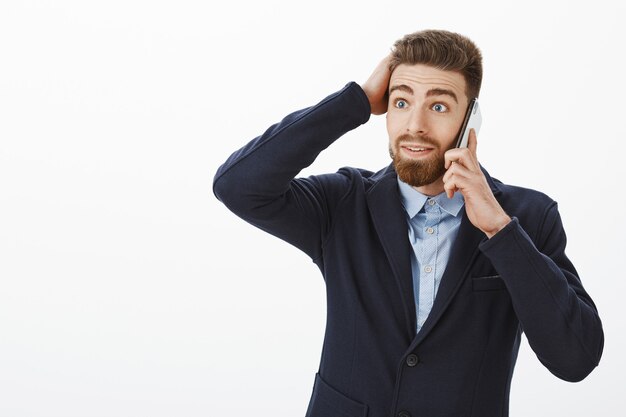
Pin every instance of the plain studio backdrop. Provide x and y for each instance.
(127, 289)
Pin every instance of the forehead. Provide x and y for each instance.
(422, 77)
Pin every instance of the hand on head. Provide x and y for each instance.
(377, 85)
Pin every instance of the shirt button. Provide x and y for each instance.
(428, 268)
(430, 230)
(431, 202)
(404, 414)
(412, 359)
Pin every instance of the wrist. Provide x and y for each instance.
(499, 225)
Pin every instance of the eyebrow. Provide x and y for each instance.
(429, 93)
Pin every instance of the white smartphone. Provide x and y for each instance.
(473, 119)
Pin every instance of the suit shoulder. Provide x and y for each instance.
(523, 192)
(347, 175)
(363, 177)
(530, 206)
(338, 185)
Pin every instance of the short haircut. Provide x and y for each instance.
(444, 50)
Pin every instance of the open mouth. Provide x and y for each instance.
(416, 150)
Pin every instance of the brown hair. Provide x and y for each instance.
(444, 50)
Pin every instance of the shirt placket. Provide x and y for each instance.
(428, 272)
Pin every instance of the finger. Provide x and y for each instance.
(377, 86)
(460, 155)
(472, 141)
(386, 61)
(450, 187)
(456, 170)
(450, 156)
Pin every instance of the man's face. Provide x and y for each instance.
(426, 109)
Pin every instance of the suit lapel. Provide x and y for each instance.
(464, 250)
(389, 220)
(462, 255)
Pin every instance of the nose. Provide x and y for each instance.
(416, 123)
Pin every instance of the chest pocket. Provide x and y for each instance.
(488, 283)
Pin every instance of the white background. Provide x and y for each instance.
(127, 289)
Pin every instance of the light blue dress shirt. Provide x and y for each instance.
(433, 224)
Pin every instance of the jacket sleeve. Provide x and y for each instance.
(557, 315)
(257, 181)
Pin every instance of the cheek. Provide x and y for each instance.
(448, 133)
(448, 130)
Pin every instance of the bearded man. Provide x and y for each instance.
(433, 268)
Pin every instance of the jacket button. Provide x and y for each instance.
(404, 414)
(412, 359)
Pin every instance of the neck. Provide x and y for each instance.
(431, 189)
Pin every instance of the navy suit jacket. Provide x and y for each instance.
(352, 225)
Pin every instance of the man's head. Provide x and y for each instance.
(435, 74)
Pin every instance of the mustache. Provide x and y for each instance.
(426, 140)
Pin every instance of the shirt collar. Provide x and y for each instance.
(413, 200)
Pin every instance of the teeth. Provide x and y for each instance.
(416, 149)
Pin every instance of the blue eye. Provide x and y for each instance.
(439, 108)
(401, 104)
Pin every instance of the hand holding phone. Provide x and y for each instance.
(473, 120)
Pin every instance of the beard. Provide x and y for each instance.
(419, 172)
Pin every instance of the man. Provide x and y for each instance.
(432, 267)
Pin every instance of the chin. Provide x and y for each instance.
(419, 171)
